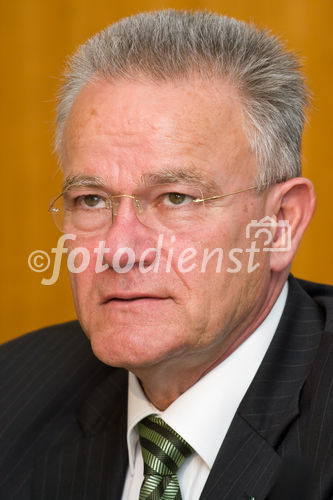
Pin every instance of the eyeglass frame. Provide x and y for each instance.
(53, 209)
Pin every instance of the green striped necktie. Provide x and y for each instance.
(163, 451)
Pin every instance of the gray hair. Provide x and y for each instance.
(169, 44)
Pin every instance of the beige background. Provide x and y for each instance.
(37, 35)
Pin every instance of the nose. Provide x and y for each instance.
(116, 199)
(127, 238)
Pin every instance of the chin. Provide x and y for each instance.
(125, 350)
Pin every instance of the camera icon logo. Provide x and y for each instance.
(266, 225)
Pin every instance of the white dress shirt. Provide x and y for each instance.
(201, 415)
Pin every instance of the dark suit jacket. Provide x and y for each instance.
(63, 416)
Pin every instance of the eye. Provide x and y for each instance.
(93, 200)
(176, 199)
(89, 201)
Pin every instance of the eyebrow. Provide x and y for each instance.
(80, 180)
(191, 176)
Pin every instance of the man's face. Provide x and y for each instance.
(123, 132)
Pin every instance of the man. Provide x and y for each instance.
(179, 133)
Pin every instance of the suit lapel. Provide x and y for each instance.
(245, 466)
(94, 464)
(248, 462)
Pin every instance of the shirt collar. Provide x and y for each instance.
(202, 415)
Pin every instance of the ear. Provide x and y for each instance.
(292, 204)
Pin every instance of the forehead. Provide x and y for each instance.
(140, 126)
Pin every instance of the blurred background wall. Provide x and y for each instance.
(37, 36)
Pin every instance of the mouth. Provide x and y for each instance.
(133, 299)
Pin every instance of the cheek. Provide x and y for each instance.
(81, 264)
(195, 271)
(208, 262)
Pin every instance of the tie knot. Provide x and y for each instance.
(163, 450)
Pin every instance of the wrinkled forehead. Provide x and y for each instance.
(155, 124)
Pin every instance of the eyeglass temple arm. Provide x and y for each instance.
(198, 200)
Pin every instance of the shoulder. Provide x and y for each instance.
(54, 350)
(318, 296)
(316, 406)
(318, 299)
(42, 368)
(46, 377)
(316, 401)
(45, 362)
(47, 336)
(316, 290)
(321, 294)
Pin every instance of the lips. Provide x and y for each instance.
(131, 298)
